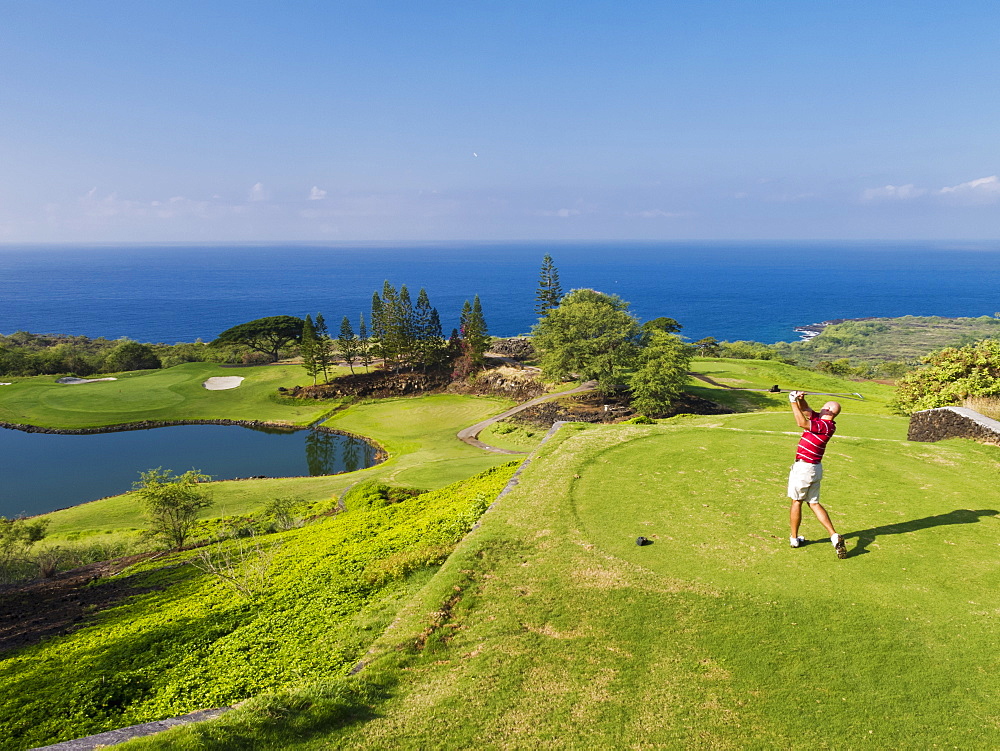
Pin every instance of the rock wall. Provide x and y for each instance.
(953, 422)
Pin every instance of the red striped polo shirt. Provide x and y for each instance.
(814, 440)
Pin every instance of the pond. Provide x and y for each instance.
(41, 472)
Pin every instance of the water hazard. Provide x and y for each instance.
(41, 472)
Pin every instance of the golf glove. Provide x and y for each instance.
(793, 396)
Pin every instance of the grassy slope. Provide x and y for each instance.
(550, 627)
(190, 642)
(419, 434)
(172, 394)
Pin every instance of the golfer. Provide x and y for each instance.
(807, 472)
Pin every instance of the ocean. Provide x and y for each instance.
(729, 290)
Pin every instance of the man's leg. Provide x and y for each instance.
(824, 519)
(795, 517)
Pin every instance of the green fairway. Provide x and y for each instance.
(550, 627)
(419, 434)
(762, 374)
(172, 394)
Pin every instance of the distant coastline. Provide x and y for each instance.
(815, 329)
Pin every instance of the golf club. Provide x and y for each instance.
(776, 390)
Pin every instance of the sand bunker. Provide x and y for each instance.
(221, 383)
(71, 381)
(6, 384)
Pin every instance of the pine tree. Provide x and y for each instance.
(407, 331)
(324, 348)
(477, 333)
(348, 343)
(307, 348)
(427, 325)
(549, 290)
(378, 326)
(389, 341)
(364, 344)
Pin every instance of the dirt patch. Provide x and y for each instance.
(59, 605)
(376, 384)
(519, 385)
(595, 407)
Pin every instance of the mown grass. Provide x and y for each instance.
(762, 374)
(188, 641)
(550, 627)
(419, 434)
(171, 394)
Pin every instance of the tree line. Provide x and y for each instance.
(399, 332)
(25, 354)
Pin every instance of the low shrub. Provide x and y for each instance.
(376, 494)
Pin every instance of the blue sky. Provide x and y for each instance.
(392, 121)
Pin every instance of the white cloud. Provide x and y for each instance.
(983, 188)
(316, 194)
(257, 193)
(657, 214)
(893, 193)
(561, 213)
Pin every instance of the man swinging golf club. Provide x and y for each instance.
(807, 472)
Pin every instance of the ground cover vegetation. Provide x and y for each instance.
(549, 626)
(187, 639)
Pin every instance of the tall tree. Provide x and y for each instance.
(549, 291)
(658, 381)
(590, 335)
(324, 348)
(427, 325)
(378, 325)
(347, 342)
(407, 331)
(476, 332)
(307, 348)
(267, 335)
(364, 344)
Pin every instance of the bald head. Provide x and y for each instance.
(831, 408)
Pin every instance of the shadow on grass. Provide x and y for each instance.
(959, 516)
(741, 401)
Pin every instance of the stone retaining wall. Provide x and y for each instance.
(953, 422)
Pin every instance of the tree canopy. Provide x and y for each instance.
(172, 503)
(268, 335)
(589, 334)
(131, 355)
(662, 372)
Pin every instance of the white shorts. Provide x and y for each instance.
(804, 480)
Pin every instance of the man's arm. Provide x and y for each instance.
(801, 410)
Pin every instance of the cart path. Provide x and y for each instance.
(470, 434)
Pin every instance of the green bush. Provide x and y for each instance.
(950, 376)
(376, 494)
